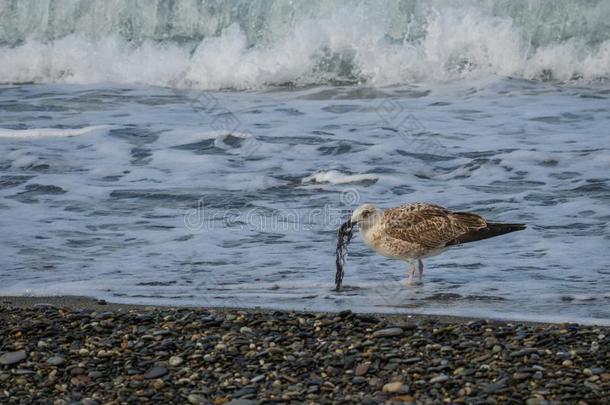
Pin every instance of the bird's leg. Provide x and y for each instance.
(421, 269)
(411, 272)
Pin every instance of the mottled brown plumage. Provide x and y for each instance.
(427, 225)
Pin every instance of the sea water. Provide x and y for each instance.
(204, 153)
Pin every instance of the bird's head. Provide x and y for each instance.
(365, 215)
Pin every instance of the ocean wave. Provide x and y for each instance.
(403, 42)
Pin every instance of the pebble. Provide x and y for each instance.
(405, 399)
(389, 332)
(393, 387)
(358, 380)
(362, 368)
(521, 376)
(155, 372)
(244, 392)
(523, 352)
(493, 387)
(104, 315)
(439, 379)
(591, 386)
(536, 401)
(175, 361)
(56, 361)
(12, 357)
(158, 384)
(197, 399)
(258, 378)
(241, 401)
(45, 305)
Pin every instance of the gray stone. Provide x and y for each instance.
(241, 401)
(175, 361)
(155, 372)
(388, 332)
(56, 361)
(104, 315)
(521, 375)
(439, 379)
(196, 399)
(523, 352)
(258, 378)
(22, 371)
(244, 392)
(591, 386)
(12, 357)
(493, 387)
(44, 305)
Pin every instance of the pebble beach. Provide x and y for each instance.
(66, 350)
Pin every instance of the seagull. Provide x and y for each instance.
(415, 231)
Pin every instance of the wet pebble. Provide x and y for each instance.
(439, 379)
(197, 399)
(393, 387)
(155, 372)
(362, 368)
(175, 361)
(10, 358)
(56, 361)
(389, 332)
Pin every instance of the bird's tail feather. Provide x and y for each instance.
(491, 230)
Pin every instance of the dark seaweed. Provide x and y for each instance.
(344, 236)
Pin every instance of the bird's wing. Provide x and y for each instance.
(429, 225)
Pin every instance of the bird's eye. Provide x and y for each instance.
(366, 213)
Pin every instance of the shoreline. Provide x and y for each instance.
(77, 349)
(76, 302)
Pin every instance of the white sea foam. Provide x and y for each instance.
(49, 132)
(454, 43)
(336, 177)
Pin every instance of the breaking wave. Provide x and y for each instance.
(249, 45)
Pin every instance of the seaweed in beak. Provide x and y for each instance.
(344, 236)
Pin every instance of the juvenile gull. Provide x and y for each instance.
(414, 231)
